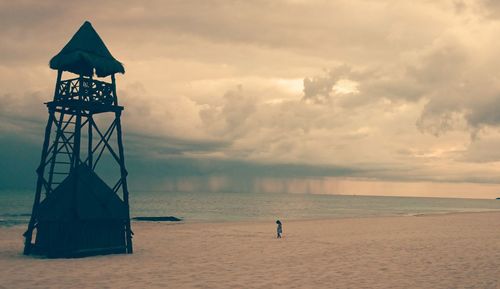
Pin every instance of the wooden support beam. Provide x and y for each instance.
(39, 183)
(124, 174)
(106, 143)
(107, 136)
(89, 149)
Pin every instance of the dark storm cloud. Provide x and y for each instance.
(163, 147)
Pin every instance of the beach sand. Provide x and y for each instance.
(436, 251)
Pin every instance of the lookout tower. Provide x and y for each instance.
(75, 212)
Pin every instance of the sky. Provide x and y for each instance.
(372, 97)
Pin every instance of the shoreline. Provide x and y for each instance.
(181, 220)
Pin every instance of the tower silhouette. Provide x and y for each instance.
(76, 213)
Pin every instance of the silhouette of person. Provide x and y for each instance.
(279, 230)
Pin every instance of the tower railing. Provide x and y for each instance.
(88, 90)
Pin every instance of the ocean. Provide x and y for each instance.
(15, 206)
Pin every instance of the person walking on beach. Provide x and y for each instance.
(279, 230)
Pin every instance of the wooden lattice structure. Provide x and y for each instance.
(75, 213)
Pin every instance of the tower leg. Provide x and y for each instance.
(124, 173)
(39, 183)
(89, 146)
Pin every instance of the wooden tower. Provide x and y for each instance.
(75, 213)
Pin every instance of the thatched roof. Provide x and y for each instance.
(82, 196)
(85, 52)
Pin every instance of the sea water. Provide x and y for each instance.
(15, 206)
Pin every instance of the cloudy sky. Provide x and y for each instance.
(347, 96)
